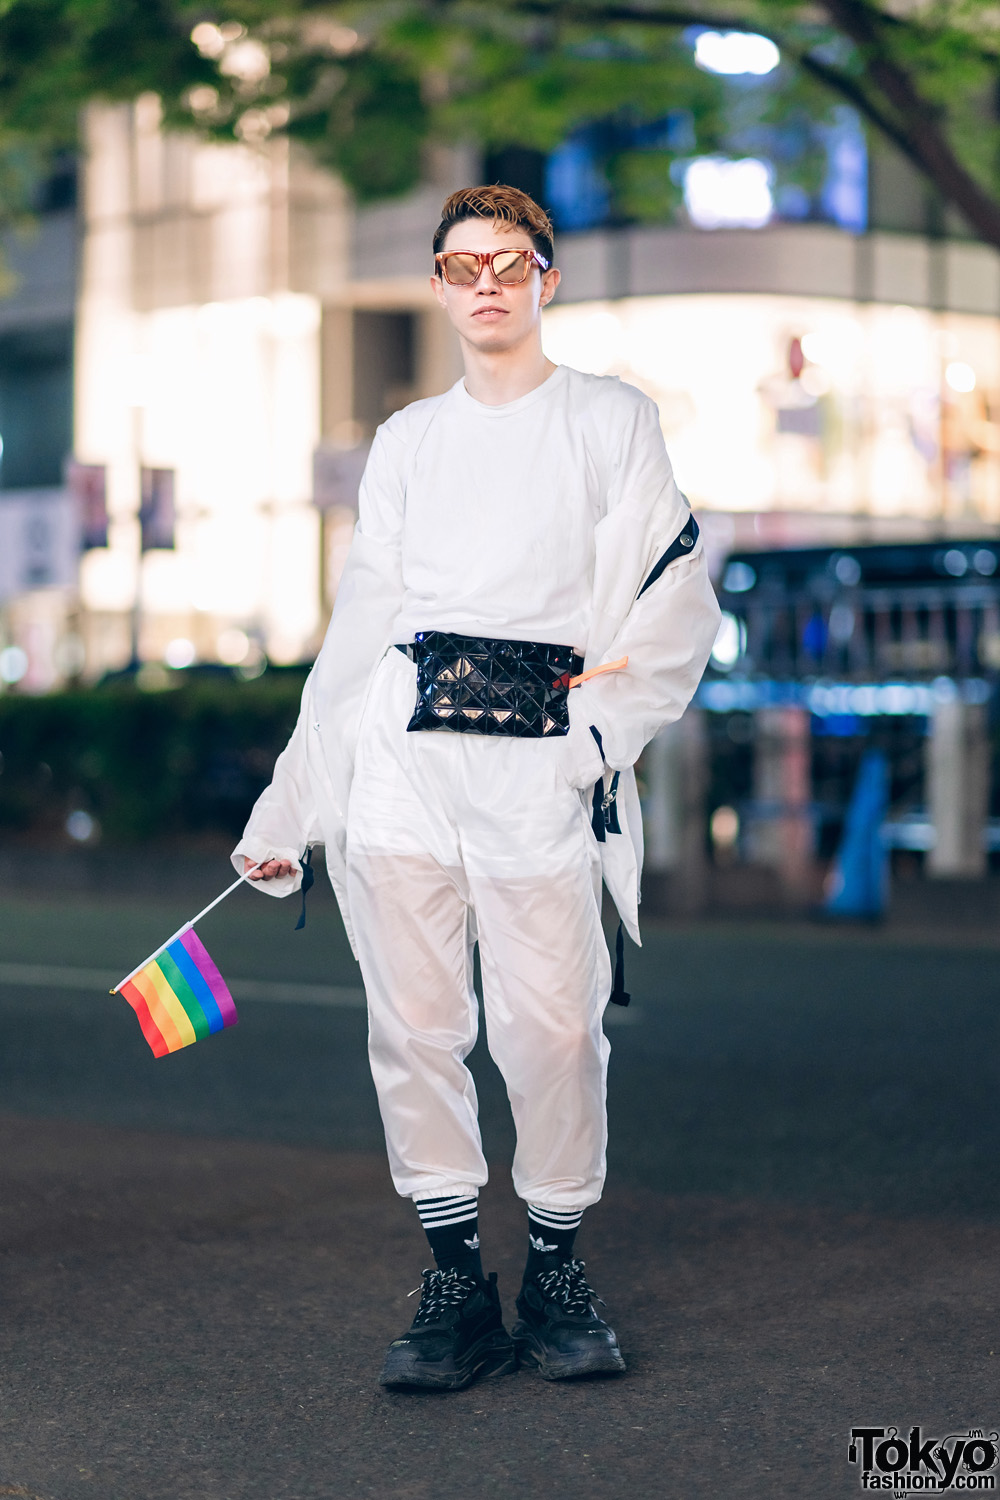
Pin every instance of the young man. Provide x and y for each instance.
(518, 529)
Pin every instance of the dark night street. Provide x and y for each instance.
(203, 1256)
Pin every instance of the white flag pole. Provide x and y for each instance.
(161, 949)
(227, 892)
(186, 928)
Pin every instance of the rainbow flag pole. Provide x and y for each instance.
(177, 992)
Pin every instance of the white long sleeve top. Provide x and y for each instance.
(538, 520)
(496, 535)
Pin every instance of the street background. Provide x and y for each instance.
(203, 1257)
(215, 236)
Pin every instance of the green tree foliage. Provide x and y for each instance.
(369, 84)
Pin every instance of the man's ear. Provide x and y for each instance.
(438, 290)
(550, 281)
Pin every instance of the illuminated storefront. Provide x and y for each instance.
(241, 328)
(226, 397)
(228, 358)
(807, 404)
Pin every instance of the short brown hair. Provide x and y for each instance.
(506, 206)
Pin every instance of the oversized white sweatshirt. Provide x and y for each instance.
(496, 535)
(538, 520)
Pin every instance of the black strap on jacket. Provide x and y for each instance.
(597, 804)
(604, 813)
(681, 545)
(308, 876)
(604, 805)
(619, 994)
(604, 818)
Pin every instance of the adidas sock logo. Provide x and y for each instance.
(551, 1232)
(451, 1225)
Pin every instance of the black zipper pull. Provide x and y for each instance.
(609, 806)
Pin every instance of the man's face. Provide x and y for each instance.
(491, 317)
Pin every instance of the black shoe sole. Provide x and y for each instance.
(600, 1359)
(490, 1356)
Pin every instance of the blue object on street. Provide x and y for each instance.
(860, 884)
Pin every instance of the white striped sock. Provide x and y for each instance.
(436, 1213)
(555, 1218)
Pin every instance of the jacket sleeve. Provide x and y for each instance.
(285, 818)
(665, 622)
(283, 821)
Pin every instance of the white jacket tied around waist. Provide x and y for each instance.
(552, 513)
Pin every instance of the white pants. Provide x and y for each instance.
(454, 837)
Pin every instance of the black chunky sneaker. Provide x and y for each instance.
(457, 1334)
(558, 1329)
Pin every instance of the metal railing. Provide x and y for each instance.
(871, 614)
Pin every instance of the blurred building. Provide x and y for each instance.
(836, 392)
(39, 543)
(241, 331)
(827, 368)
(233, 328)
(193, 360)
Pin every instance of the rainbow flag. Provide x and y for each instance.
(179, 995)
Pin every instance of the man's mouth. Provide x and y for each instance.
(490, 312)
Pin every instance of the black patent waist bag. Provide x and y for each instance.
(476, 685)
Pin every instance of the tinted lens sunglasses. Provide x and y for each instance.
(509, 267)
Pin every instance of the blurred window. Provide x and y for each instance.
(577, 193)
(623, 171)
(36, 405)
(384, 365)
(520, 167)
(57, 191)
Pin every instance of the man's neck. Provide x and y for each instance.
(495, 379)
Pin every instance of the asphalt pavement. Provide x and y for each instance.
(202, 1258)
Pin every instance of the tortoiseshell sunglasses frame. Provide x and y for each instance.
(486, 258)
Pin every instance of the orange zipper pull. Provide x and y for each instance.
(608, 666)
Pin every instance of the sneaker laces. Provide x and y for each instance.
(439, 1291)
(567, 1286)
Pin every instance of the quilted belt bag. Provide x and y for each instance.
(475, 685)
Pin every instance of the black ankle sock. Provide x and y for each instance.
(551, 1232)
(452, 1226)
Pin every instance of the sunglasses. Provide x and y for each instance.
(509, 267)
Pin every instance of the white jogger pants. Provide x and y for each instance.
(453, 837)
